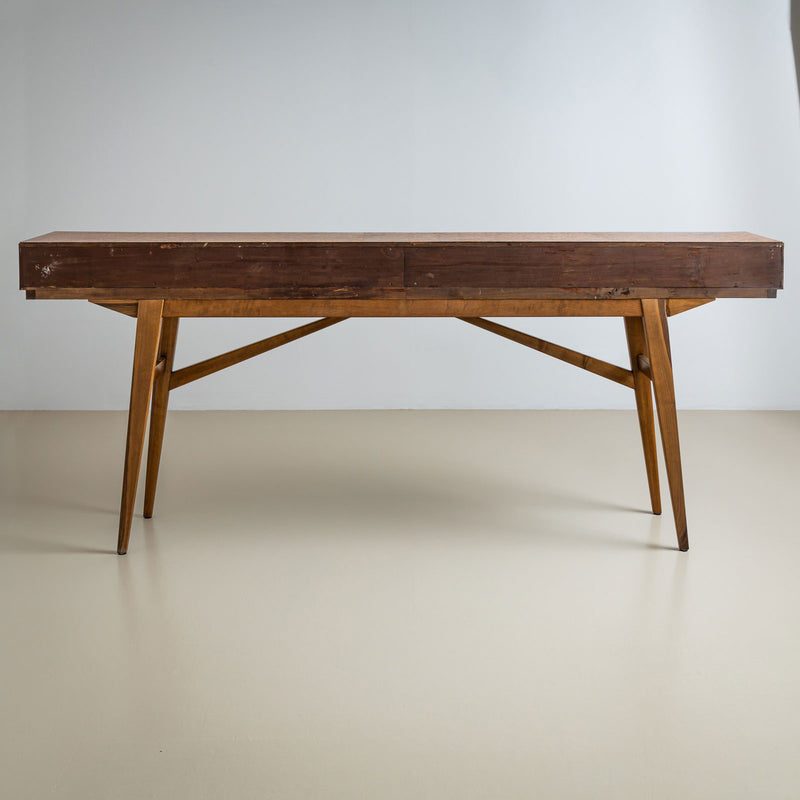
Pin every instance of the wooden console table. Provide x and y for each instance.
(160, 277)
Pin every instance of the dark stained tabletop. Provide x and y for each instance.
(98, 237)
(398, 265)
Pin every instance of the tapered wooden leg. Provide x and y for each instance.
(654, 316)
(158, 410)
(637, 345)
(148, 324)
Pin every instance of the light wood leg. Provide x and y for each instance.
(654, 316)
(148, 324)
(158, 410)
(634, 331)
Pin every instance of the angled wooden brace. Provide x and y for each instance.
(595, 365)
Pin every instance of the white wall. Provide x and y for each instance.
(396, 116)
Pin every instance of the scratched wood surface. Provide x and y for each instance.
(99, 265)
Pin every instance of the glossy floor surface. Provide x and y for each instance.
(400, 605)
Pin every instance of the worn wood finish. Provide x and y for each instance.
(584, 293)
(399, 296)
(211, 365)
(290, 270)
(655, 325)
(458, 266)
(158, 410)
(595, 365)
(641, 277)
(637, 348)
(145, 351)
(627, 266)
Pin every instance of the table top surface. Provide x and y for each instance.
(95, 265)
(194, 238)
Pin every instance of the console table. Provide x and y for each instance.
(644, 278)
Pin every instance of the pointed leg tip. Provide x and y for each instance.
(122, 544)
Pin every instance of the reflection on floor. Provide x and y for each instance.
(432, 604)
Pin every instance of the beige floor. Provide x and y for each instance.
(400, 605)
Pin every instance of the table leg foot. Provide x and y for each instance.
(637, 345)
(158, 410)
(148, 325)
(654, 316)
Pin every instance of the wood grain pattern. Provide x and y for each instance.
(128, 309)
(148, 326)
(160, 277)
(211, 365)
(158, 410)
(602, 368)
(107, 296)
(654, 316)
(377, 266)
(402, 308)
(291, 270)
(643, 363)
(637, 350)
(676, 306)
(575, 266)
